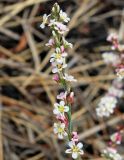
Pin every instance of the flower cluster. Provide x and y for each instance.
(117, 60)
(111, 153)
(106, 106)
(62, 109)
(108, 103)
(111, 58)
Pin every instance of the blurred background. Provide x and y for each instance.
(27, 91)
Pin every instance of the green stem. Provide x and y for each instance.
(69, 123)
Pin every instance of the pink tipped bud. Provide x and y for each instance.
(116, 138)
(74, 137)
(70, 98)
(62, 48)
(56, 78)
(63, 119)
(50, 43)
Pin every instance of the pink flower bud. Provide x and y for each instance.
(74, 137)
(56, 78)
(62, 48)
(50, 43)
(116, 138)
(62, 119)
(70, 98)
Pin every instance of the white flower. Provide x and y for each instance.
(111, 153)
(120, 73)
(63, 16)
(45, 19)
(58, 26)
(117, 83)
(61, 28)
(112, 36)
(58, 57)
(62, 95)
(69, 78)
(52, 22)
(58, 67)
(76, 150)
(59, 128)
(111, 58)
(60, 108)
(106, 106)
(115, 92)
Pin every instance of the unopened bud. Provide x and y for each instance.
(56, 8)
(70, 98)
(56, 78)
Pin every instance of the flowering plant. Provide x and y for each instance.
(108, 103)
(62, 110)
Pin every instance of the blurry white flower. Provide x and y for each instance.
(45, 20)
(58, 57)
(63, 16)
(120, 73)
(61, 28)
(111, 153)
(59, 128)
(58, 26)
(75, 150)
(52, 22)
(60, 108)
(117, 83)
(111, 58)
(58, 67)
(62, 95)
(69, 78)
(106, 106)
(115, 92)
(112, 36)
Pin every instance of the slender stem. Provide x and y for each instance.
(67, 88)
(70, 123)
